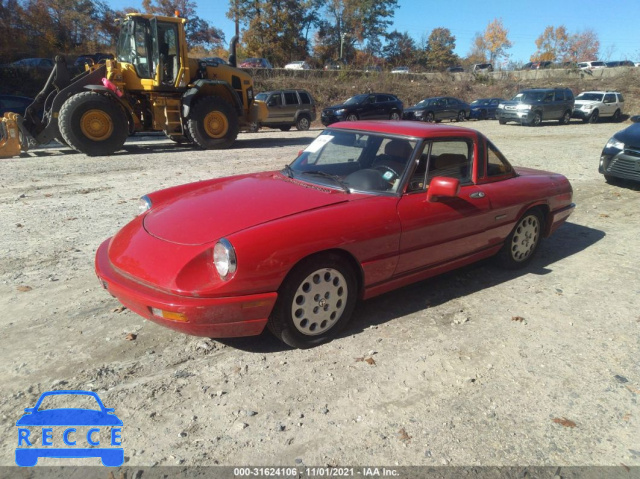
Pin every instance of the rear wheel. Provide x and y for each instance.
(522, 243)
(617, 116)
(502, 122)
(394, 115)
(315, 301)
(430, 118)
(213, 123)
(93, 124)
(537, 119)
(461, 116)
(303, 123)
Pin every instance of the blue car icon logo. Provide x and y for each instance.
(81, 431)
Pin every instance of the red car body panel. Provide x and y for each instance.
(164, 258)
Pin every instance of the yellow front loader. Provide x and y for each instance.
(151, 85)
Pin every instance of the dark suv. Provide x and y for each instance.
(288, 108)
(532, 107)
(368, 106)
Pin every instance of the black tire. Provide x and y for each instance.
(566, 118)
(461, 116)
(537, 119)
(594, 117)
(617, 116)
(303, 123)
(213, 123)
(285, 128)
(612, 180)
(315, 301)
(93, 124)
(430, 117)
(394, 116)
(351, 117)
(522, 243)
(254, 127)
(502, 122)
(180, 140)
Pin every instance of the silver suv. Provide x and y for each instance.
(593, 105)
(288, 108)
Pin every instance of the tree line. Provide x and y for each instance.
(356, 31)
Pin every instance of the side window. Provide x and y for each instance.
(548, 97)
(609, 98)
(497, 165)
(304, 97)
(451, 158)
(568, 95)
(290, 98)
(275, 100)
(559, 95)
(620, 98)
(381, 98)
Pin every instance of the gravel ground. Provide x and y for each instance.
(477, 367)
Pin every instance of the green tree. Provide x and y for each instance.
(400, 49)
(439, 49)
(552, 45)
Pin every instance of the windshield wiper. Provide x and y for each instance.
(335, 178)
(288, 171)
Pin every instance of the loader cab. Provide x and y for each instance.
(154, 49)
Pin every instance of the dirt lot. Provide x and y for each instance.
(455, 378)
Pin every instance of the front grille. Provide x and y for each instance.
(625, 168)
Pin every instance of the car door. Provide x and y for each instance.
(437, 232)
(382, 107)
(367, 109)
(610, 104)
(290, 106)
(276, 107)
(440, 109)
(453, 107)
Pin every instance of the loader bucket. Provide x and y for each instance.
(10, 144)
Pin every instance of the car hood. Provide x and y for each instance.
(416, 108)
(630, 135)
(220, 209)
(337, 107)
(516, 103)
(586, 102)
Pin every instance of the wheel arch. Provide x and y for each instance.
(210, 88)
(544, 210)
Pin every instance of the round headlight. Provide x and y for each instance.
(144, 204)
(224, 258)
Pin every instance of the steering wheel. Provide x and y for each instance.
(388, 174)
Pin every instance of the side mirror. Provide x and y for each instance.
(442, 187)
(635, 118)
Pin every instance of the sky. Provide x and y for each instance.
(616, 22)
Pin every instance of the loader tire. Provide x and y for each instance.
(93, 124)
(213, 123)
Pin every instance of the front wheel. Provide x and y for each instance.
(522, 243)
(502, 122)
(93, 124)
(352, 117)
(315, 301)
(394, 115)
(213, 123)
(566, 118)
(537, 119)
(593, 118)
(430, 118)
(617, 116)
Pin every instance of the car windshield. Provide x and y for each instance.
(590, 96)
(529, 96)
(484, 101)
(356, 100)
(426, 102)
(262, 96)
(354, 161)
(63, 401)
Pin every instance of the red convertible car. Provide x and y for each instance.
(366, 208)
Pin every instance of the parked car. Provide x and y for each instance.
(591, 65)
(620, 63)
(368, 106)
(15, 104)
(400, 70)
(527, 66)
(335, 65)
(255, 63)
(541, 65)
(455, 70)
(482, 68)
(590, 106)
(288, 108)
(366, 208)
(620, 158)
(214, 61)
(41, 64)
(532, 107)
(372, 69)
(438, 109)
(299, 65)
(484, 108)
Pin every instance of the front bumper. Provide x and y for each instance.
(329, 118)
(582, 114)
(623, 164)
(211, 317)
(520, 116)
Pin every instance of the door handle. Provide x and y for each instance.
(476, 194)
